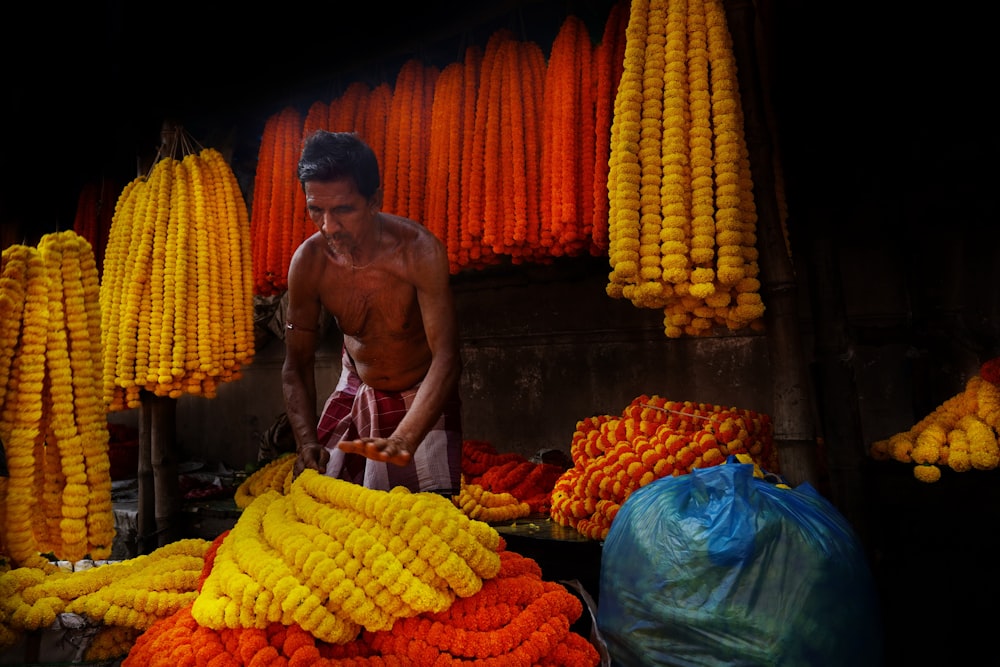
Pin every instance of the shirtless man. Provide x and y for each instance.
(385, 280)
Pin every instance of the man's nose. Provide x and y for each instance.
(328, 223)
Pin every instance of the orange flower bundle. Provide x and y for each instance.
(517, 618)
(482, 166)
(407, 141)
(444, 159)
(653, 438)
(568, 146)
(463, 229)
(374, 121)
(608, 59)
(345, 112)
(529, 482)
(478, 456)
(278, 217)
(317, 118)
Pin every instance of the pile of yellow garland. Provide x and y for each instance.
(57, 497)
(961, 433)
(334, 557)
(129, 595)
(683, 220)
(176, 293)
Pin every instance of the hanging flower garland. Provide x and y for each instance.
(176, 299)
(609, 56)
(700, 237)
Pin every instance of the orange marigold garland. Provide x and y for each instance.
(517, 618)
(653, 438)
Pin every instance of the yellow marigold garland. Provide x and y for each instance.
(961, 433)
(275, 475)
(333, 558)
(682, 217)
(479, 503)
(176, 300)
(131, 594)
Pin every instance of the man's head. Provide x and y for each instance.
(333, 156)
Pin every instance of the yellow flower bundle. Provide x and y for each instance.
(131, 594)
(57, 498)
(275, 475)
(682, 227)
(176, 293)
(651, 439)
(961, 433)
(333, 558)
(479, 503)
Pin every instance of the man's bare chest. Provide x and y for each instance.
(374, 306)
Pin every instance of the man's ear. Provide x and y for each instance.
(375, 202)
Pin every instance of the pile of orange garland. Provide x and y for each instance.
(962, 433)
(653, 438)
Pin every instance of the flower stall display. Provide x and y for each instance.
(651, 439)
(329, 574)
(56, 499)
(963, 433)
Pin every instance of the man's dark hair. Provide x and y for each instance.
(332, 156)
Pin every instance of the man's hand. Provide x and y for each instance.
(314, 457)
(391, 450)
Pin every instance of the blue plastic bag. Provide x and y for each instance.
(718, 567)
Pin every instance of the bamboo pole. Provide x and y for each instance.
(159, 486)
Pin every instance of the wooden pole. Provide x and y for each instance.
(159, 486)
(793, 412)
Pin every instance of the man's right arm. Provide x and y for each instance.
(298, 379)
